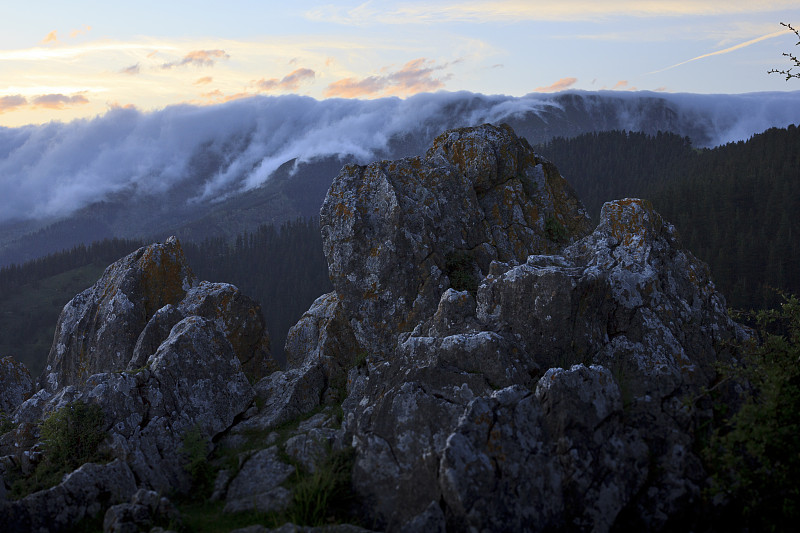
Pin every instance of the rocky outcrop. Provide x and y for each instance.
(16, 384)
(145, 509)
(84, 493)
(397, 234)
(123, 318)
(549, 394)
(182, 354)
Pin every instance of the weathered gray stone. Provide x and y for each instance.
(311, 446)
(145, 508)
(286, 395)
(16, 384)
(323, 338)
(431, 520)
(153, 334)
(86, 492)
(121, 321)
(239, 318)
(257, 486)
(193, 382)
(557, 459)
(98, 329)
(323, 332)
(593, 442)
(389, 228)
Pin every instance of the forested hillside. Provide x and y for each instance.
(735, 206)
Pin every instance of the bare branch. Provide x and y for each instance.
(792, 58)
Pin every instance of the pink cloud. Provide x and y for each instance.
(416, 76)
(199, 58)
(9, 103)
(560, 85)
(217, 97)
(205, 80)
(58, 101)
(290, 82)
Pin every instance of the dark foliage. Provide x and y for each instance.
(460, 268)
(733, 205)
(70, 438)
(754, 454)
(283, 269)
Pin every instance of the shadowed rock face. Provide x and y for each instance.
(163, 355)
(552, 397)
(16, 384)
(389, 228)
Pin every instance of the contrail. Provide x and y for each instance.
(726, 50)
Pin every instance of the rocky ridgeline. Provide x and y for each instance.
(499, 365)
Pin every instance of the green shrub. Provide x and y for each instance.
(755, 454)
(194, 448)
(6, 424)
(325, 495)
(71, 437)
(556, 232)
(460, 268)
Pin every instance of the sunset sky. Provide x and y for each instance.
(67, 60)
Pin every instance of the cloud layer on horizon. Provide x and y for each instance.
(53, 169)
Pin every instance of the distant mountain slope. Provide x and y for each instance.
(735, 206)
(220, 170)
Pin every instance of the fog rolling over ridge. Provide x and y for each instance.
(162, 170)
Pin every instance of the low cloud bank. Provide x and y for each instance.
(53, 169)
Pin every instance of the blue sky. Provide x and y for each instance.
(62, 61)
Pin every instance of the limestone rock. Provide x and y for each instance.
(145, 508)
(573, 466)
(545, 393)
(16, 384)
(323, 333)
(120, 321)
(194, 382)
(257, 487)
(239, 318)
(84, 493)
(98, 329)
(395, 232)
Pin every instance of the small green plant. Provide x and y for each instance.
(361, 359)
(755, 452)
(556, 232)
(323, 496)
(72, 434)
(194, 448)
(460, 268)
(71, 437)
(6, 424)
